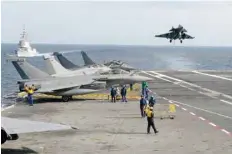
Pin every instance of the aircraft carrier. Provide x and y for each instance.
(202, 123)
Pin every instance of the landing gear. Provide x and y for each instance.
(66, 98)
(3, 136)
(181, 41)
(170, 41)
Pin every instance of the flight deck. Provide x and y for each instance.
(203, 122)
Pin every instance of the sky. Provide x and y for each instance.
(125, 23)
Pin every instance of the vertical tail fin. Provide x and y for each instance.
(65, 62)
(86, 59)
(53, 66)
(28, 71)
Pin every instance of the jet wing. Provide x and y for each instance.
(186, 36)
(18, 126)
(64, 84)
(166, 35)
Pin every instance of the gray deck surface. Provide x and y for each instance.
(105, 127)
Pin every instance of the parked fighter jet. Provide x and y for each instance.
(176, 33)
(70, 85)
(89, 62)
(114, 64)
(125, 78)
(55, 84)
(10, 128)
(53, 67)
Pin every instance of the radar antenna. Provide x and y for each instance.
(24, 34)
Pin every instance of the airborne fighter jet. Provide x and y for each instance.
(176, 33)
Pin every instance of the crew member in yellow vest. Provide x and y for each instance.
(150, 120)
(146, 109)
(30, 92)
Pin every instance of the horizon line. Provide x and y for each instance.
(168, 45)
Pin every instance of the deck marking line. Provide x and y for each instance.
(225, 131)
(185, 82)
(227, 102)
(201, 118)
(212, 75)
(192, 113)
(183, 108)
(212, 124)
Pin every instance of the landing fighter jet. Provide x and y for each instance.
(176, 33)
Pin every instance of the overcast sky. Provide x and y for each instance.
(133, 23)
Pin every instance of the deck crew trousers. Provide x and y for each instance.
(142, 110)
(150, 123)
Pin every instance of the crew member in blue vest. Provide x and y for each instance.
(142, 106)
(123, 93)
(113, 93)
(152, 101)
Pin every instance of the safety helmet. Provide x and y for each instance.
(151, 108)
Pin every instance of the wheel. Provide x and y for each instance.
(3, 136)
(181, 41)
(65, 98)
(14, 136)
(170, 41)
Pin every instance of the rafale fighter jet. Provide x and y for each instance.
(176, 33)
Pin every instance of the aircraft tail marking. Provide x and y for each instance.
(86, 59)
(28, 71)
(65, 62)
(53, 66)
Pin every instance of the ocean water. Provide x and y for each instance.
(143, 57)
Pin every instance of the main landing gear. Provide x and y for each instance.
(66, 98)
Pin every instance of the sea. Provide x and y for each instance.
(143, 57)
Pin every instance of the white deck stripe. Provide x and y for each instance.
(202, 118)
(227, 102)
(212, 75)
(225, 116)
(225, 131)
(212, 124)
(193, 85)
(192, 113)
(3, 109)
(184, 108)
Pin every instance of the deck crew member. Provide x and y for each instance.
(145, 92)
(152, 101)
(123, 93)
(113, 93)
(30, 92)
(150, 121)
(142, 106)
(131, 87)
